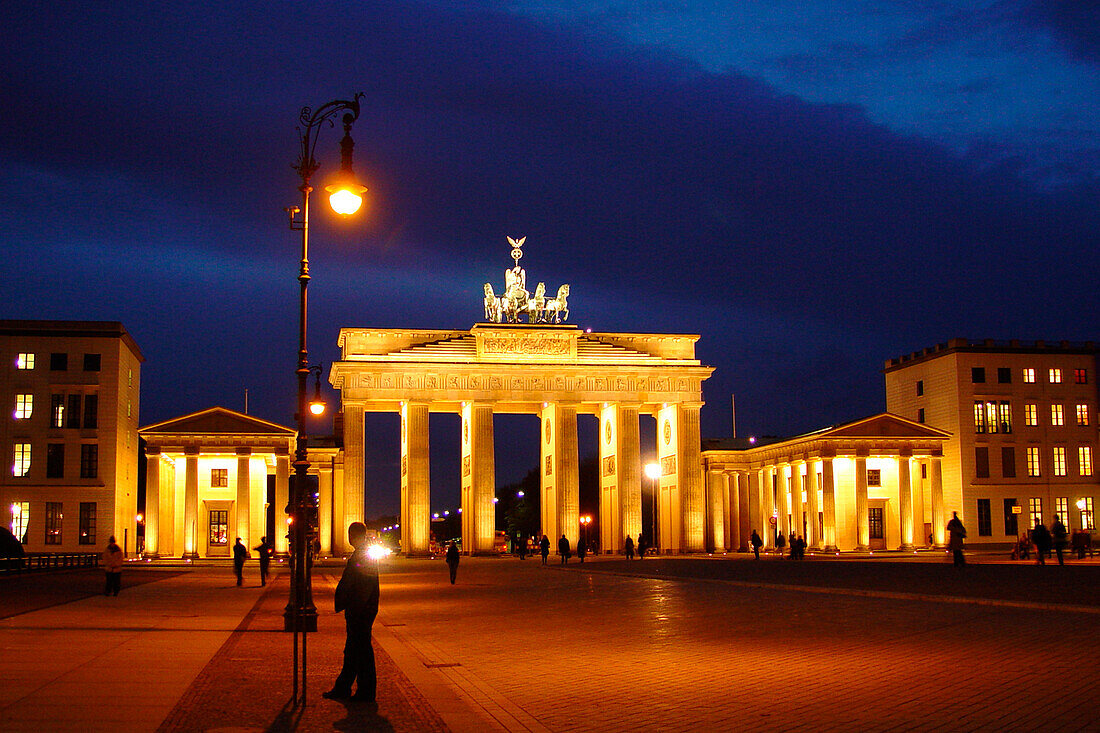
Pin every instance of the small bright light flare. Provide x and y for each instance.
(495, 500)
(16, 510)
(377, 552)
(520, 494)
(317, 408)
(344, 201)
(435, 515)
(139, 518)
(1081, 504)
(653, 470)
(447, 513)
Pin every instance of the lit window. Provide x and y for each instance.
(1056, 417)
(24, 361)
(1080, 376)
(22, 464)
(24, 405)
(1059, 465)
(979, 417)
(219, 478)
(20, 519)
(1004, 413)
(1055, 376)
(1035, 506)
(1031, 414)
(1029, 375)
(53, 522)
(1061, 508)
(1033, 461)
(991, 416)
(1086, 513)
(1084, 459)
(1082, 414)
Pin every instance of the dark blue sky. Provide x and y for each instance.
(812, 187)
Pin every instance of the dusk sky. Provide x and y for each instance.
(811, 187)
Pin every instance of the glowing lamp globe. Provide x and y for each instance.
(317, 408)
(345, 193)
(653, 470)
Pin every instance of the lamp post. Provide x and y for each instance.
(653, 472)
(346, 195)
(585, 521)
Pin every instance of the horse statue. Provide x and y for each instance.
(559, 306)
(493, 307)
(536, 305)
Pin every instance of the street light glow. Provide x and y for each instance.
(344, 201)
(653, 470)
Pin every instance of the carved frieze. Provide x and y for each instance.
(609, 466)
(668, 465)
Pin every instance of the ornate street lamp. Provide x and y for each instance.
(345, 197)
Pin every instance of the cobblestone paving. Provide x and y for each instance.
(580, 649)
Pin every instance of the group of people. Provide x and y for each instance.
(797, 545)
(240, 554)
(1055, 538)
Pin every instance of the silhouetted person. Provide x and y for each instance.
(544, 548)
(357, 596)
(1041, 537)
(264, 549)
(628, 548)
(756, 543)
(643, 545)
(240, 554)
(111, 560)
(452, 560)
(563, 549)
(1060, 536)
(780, 542)
(521, 547)
(582, 548)
(956, 534)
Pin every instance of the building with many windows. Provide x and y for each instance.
(70, 438)
(1023, 420)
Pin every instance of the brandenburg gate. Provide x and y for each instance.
(542, 368)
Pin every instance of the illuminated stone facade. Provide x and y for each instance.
(554, 372)
(70, 392)
(1023, 417)
(871, 484)
(206, 483)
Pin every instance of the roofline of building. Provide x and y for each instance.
(78, 329)
(990, 346)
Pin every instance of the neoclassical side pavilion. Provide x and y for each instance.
(206, 482)
(875, 483)
(555, 372)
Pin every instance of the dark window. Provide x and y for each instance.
(59, 362)
(219, 527)
(1004, 375)
(874, 477)
(89, 461)
(219, 478)
(1008, 462)
(53, 522)
(87, 523)
(1080, 376)
(875, 523)
(977, 375)
(91, 362)
(920, 414)
(57, 411)
(55, 460)
(924, 470)
(920, 387)
(981, 462)
(72, 418)
(1010, 518)
(985, 523)
(91, 411)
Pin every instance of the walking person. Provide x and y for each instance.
(111, 560)
(452, 560)
(643, 545)
(582, 548)
(563, 550)
(756, 543)
(357, 596)
(544, 548)
(1060, 537)
(780, 542)
(1042, 539)
(264, 551)
(956, 535)
(628, 548)
(240, 554)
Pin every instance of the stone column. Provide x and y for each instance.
(629, 465)
(478, 479)
(244, 496)
(863, 531)
(813, 506)
(669, 520)
(716, 492)
(415, 489)
(282, 498)
(828, 496)
(324, 507)
(905, 500)
(768, 489)
(796, 500)
(191, 503)
(354, 454)
(339, 531)
(690, 479)
(755, 511)
(938, 524)
(744, 524)
(729, 511)
(152, 501)
(782, 504)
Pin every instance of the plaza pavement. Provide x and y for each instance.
(661, 644)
